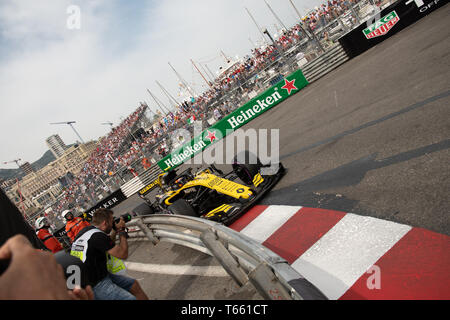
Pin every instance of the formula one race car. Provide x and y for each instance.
(212, 194)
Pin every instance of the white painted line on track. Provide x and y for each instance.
(347, 251)
(269, 221)
(178, 270)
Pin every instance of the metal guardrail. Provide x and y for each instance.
(244, 259)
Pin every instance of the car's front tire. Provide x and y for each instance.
(183, 208)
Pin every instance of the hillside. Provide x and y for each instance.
(46, 158)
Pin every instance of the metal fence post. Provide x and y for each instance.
(221, 253)
(147, 231)
(316, 40)
(342, 24)
(358, 20)
(267, 284)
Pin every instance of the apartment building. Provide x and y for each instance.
(56, 145)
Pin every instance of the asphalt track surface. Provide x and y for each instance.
(372, 138)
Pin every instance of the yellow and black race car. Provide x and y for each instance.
(212, 194)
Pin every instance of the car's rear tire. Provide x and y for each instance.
(182, 207)
(246, 165)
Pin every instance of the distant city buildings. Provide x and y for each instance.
(56, 145)
(7, 183)
(41, 188)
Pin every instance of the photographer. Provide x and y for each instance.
(92, 245)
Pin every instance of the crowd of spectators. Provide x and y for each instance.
(108, 156)
(113, 154)
(237, 73)
(328, 12)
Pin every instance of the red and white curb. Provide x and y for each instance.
(348, 256)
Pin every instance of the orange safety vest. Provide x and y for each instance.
(146, 163)
(74, 226)
(49, 240)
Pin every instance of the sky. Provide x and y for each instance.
(92, 61)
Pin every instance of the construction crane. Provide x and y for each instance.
(109, 123)
(16, 161)
(70, 124)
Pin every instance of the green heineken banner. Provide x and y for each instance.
(249, 111)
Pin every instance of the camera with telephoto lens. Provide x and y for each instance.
(126, 217)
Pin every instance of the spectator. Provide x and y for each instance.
(217, 114)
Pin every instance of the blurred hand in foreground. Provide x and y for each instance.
(34, 274)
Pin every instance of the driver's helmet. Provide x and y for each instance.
(180, 182)
(167, 177)
(41, 222)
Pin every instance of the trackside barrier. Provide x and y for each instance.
(243, 258)
(137, 183)
(129, 188)
(357, 39)
(325, 63)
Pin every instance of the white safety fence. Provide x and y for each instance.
(242, 258)
(324, 63)
(137, 183)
